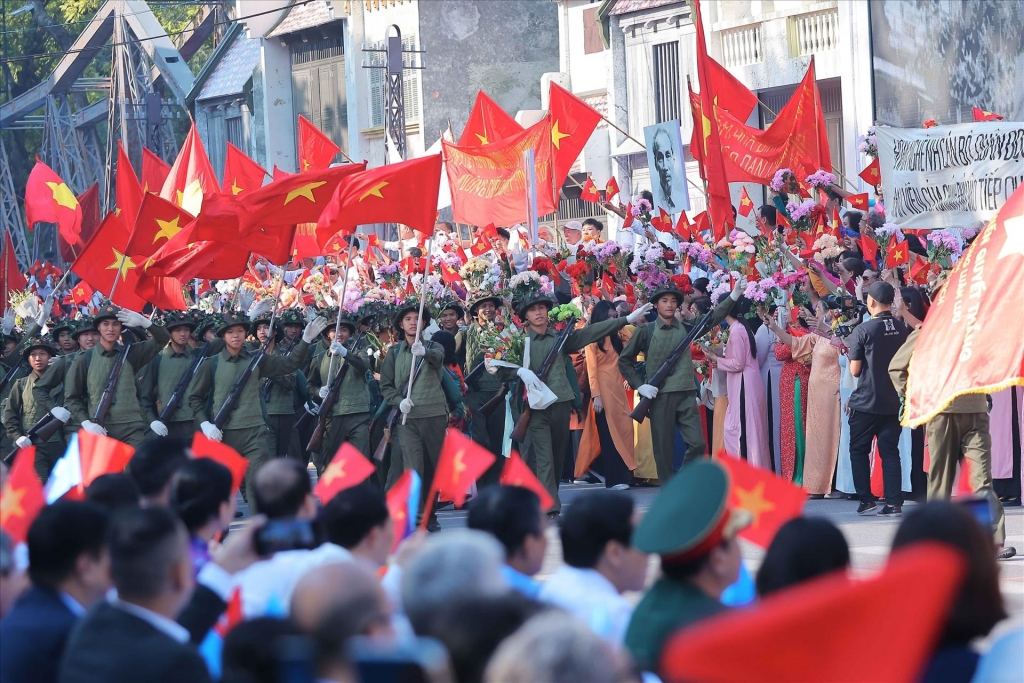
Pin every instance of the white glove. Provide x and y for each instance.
(738, 288)
(311, 408)
(338, 349)
(490, 367)
(640, 313)
(8, 321)
(258, 308)
(23, 442)
(428, 333)
(528, 376)
(93, 428)
(313, 329)
(418, 350)
(61, 413)
(405, 406)
(133, 319)
(323, 391)
(648, 391)
(210, 431)
(44, 312)
(158, 427)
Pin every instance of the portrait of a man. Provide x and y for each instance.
(665, 160)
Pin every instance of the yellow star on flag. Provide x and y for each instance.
(557, 135)
(168, 229)
(745, 201)
(235, 189)
(458, 467)
(80, 292)
(1014, 243)
(63, 195)
(122, 263)
(753, 501)
(705, 124)
(333, 473)
(11, 506)
(305, 165)
(374, 191)
(304, 191)
(482, 138)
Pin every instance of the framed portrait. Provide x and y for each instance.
(665, 161)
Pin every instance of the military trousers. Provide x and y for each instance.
(419, 442)
(488, 431)
(951, 435)
(546, 438)
(668, 411)
(131, 433)
(253, 444)
(284, 440)
(182, 430)
(47, 455)
(353, 429)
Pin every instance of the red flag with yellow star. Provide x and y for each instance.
(11, 277)
(295, 198)
(191, 178)
(462, 462)
(348, 468)
(405, 193)
(898, 254)
(729, 95)
(48, 199)
(772, 500)
(518, 473)
(611, 189)
(241, 174)
(589, 192)
(154, 171)
(746, 204)
(105, 257)
(82, 293)
(316, 150)
(872, 175)
(963, 346)
(22, 497)
(158, 221)
(129, 192)
(487, 123)
(683, 227)
(572, 122)
(663, 221)
(859, 201)
(982, 115)
(203, 447)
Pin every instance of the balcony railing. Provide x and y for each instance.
(742, 46)
(812, 33)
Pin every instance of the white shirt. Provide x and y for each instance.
(406, 245)
(587, 594)
(168, 627)
(267, 586)
(73, 605)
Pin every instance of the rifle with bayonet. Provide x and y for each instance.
(639, 413)
(496, 400)
(519, 431)
(177, 396)
(110, 388)
(333, 390)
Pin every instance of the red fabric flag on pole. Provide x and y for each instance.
(203, 447)
(191, 178)
(572, 123)
(129, 190)
(589, 192)
(746, 204)
(22, 496)
(663, 221)
(104, 258)
(90, 204)
(898, 254)
(462, 462)
(348, 468)
(869, 247)
(316, 150)
(241, 174)
(982, 115)
(487, 123)
(611, 189)
(405, 192)
(518, 473)
(403, 501)
(859, 201)
(963, 346)
(872, 175)
(154, 171)
(13, 279)
(82, 293)
(48, 199)
(771, 500)
(297, 198)
(683, 227)
(101, 455)
(728, 94)
(158, 221)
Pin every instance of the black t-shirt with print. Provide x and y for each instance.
(874, 343)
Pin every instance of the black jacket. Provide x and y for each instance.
(32, 637)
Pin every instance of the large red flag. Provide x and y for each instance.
(22, 497)
(104, 258)
(488, 183)
(218, 222)
(487, 123)
(129, 191)
(771, 500)
(572, 123)
(316, 150)
(963, 347)
(462, 462)
(241, 174)
(158, 221)
(90, 203)
(518, 473)
(728, 94)
(405, 192)
(298, 198)
(154, 171)
(191, 178)
(348, 468)
(184, 257)
(48, 199)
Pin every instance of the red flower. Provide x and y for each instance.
(670, 255)
(930, 123)
(682, 283)
(542, 265)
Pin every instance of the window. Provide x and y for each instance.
(410, 84)
(666, 81)
(318, 86)
(236, 132)
(592, 42)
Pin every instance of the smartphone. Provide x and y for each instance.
(416, 660)
(980, 508)
(278, 535)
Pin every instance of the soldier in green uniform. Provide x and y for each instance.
(22, 411)
(349, 418)
(449, 312)
(486, 430)
(162, 375)
(693, 529)
(60, 332)
(51, 384)
(278, 393)
(548, 431)
(674, 404)
(89, 373)
(245, 429)
(426, 410)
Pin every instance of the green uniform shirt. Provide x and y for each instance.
(427, 393)
(541, 345)
(899, 372)
(51, 384)
(248, 413)
(162, 375)
(657, 341)
(667, 607)
(353, 396)
(282, 389)
(484, 381)
(15, 359)
(90, 370)
(22, 411)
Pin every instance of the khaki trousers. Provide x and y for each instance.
(668, 411)
(546, 439)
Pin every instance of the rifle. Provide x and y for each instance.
(496, 400)
(267, 382)
(107, 397)
(235, 395)
(519, 432)
(42, 430)
(333, 389)
(639, 413)
(389, 421)
(178, 395)
(9, 377)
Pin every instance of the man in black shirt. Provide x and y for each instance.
(874, 405)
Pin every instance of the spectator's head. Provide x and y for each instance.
(150, 561)
(880, 297)
(802, 549)
(251, 650)
(556, 648)
(457, 563)
(700, 286)
(281, 490)
(852, 219)
(592, 228)
(623, 308)
(67, 550)
(342, 586)
(154, 464)
(572, 231)
(358, 520)
(447, 342)
(913, 300)
(596, 534)
(202, 497)
(114, 491)
(850, 268)
(979, 605)
(770, 215)
(512, 515)
(12, 581)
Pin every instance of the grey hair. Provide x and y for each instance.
(455, 564)
(554, 647)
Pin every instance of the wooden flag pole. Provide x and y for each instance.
(419, 321)
(341, 302)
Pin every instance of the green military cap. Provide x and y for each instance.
(691, 515)
(523, 305)
(62, 325)
(291, 316)
(83, 324)
(478, 298)
(172, 319)
(261, 319)
(232, 319)
(38, 342)
(446, 302)
(107, 311)
(204, 323)
(412, 304)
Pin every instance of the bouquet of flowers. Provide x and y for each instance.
(613, 257)
(720, 284)
(821, 179)
(480, 274)
(391, 275)
(737, 250)
(784, 182)
(868, 144)
(763, 293)
(801, 215)
(319, 286)
(944, 248)
(502, 340)
(528, 284)
(716, 338)
(434, 286)
(559, 315)
(641, 210)
(697, 251)
(826, 247)
(701, 364)
(446, 258)
(887, 236)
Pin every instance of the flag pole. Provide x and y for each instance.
(341, 302)
(531, 199)
(612, 124)
(419, 320)
(238, 285)
(117, 276)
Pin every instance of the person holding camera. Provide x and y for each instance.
(874, 406)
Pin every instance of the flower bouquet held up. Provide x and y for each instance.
(944, 248)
